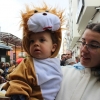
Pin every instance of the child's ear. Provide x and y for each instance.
(54, 47)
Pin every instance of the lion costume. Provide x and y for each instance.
(33, 78)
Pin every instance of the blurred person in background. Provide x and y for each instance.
(70, 62)
(69, 59)
(77, 59)
(63, 58)
(69, 54)
(7, 64)
(3, 67)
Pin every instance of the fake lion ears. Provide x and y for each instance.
(43, 21)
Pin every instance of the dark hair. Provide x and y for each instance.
(62, 55)
(96, 72)
(95, 27)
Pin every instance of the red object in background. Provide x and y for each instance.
(19, 60)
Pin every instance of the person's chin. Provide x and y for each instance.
(85, 64)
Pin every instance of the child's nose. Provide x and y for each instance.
(36, 43)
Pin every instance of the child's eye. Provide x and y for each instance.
(31, 41)
(42, 40)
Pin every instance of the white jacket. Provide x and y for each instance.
(78, 85)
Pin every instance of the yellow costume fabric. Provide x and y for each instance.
(26, 83)
(11, 68)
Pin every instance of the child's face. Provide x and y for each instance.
(41, 45)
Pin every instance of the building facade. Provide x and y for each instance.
(81, 13)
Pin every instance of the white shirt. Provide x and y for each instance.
(78, 85)
(49, 76)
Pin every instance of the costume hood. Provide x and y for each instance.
(41, 19)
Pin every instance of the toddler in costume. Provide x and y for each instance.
(38, 77)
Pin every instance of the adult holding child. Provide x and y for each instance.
(84, 83)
